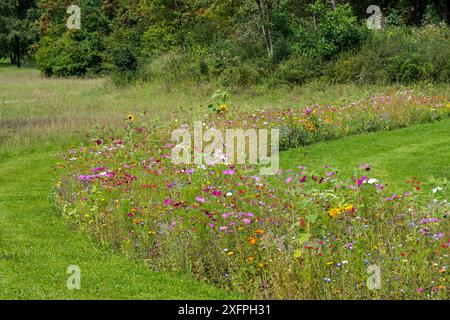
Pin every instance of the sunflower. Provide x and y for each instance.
(130, 118)
(223, 108)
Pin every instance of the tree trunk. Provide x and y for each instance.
(12, 56)
(333, 4)
(17, 50)
(264, 14)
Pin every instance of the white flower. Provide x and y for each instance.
(372, 181)
(229, 194)
(437, 189)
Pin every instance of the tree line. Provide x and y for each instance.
(220, 39)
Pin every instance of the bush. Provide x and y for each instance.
(69, 55)
(298, 70)
(64, 52)
(398, 55)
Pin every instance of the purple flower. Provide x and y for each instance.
(379, 186)
(392, 197)
(430, 220)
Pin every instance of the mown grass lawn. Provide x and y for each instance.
(421, 151)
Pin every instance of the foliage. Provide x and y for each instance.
(241, 43)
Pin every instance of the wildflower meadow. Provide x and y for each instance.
(299, 233)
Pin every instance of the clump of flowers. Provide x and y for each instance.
(335, 212)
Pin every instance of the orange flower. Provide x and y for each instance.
(250, 259)
(261, 264)
(260, 231)
(252, 240)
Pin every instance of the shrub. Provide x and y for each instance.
(398, 55)
(298, 70)
(69, 55)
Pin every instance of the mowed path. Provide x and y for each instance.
(37, 246)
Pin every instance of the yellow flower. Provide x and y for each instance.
(329, 263)
(261, 264)
(130, 118)
(260, 231)
(223, 108)
(230, 253)
(339, 210)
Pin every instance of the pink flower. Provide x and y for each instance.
(228, 172)
(288, 180)
(246, 221)
(420, 290)
(200, 199)
(166, 201)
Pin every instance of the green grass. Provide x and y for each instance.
(37, 246)
(419, 151)
(39, 117)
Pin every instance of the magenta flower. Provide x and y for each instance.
(361, 181)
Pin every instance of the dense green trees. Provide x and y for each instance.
(17, 32)
(230, 41)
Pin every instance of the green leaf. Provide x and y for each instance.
(312, 217)
(303, 238)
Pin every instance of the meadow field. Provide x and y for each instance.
(85, 180)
